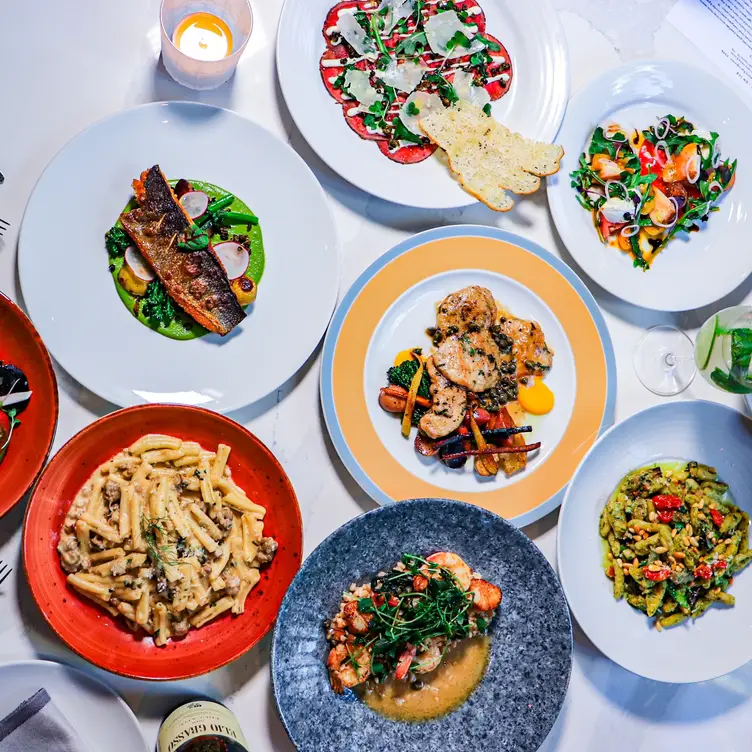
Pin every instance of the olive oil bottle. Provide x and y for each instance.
(201, 726)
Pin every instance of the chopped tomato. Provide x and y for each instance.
(667, 501)
(659, 576)
(378, 599)
(703, 572)
(405, 661)
(717, 517)
(609, 228)
(719, 565)
(393, 601)
(652, 161)
(420, 583)
(665, 516)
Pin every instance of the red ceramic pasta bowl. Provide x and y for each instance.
(106, 641)
(31, 442)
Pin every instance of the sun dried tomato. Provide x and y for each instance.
(659, 576)
(703, 572)
(717, 517)
(665, 516)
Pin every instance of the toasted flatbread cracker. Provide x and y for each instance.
(487, 158)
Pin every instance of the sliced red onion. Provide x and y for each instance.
(715, 185)
(663, 145)
(673, 200)
(717, 158)
(618, 132)
(630, 230)
(609, 183)
(657, 127)
(696, 161)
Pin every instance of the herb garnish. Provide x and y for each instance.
(116, 240)
(157, 305)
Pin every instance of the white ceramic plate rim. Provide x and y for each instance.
(127, 715)
(714, 275)
(654, 672)
(428, 184)
(239, 392)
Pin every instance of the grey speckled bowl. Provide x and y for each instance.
(515, 705)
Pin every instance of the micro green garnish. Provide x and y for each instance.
(403, 134)
(11, 412)
(195, 238)
(441, 610)
(489, 44)
(116, 240)
(375, 24)
(157, 306)
(412, 110)
(487, 109)
(159, 554)
(446, 90)
(458, 40)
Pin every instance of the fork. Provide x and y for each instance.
(4, 225)
(5, 570)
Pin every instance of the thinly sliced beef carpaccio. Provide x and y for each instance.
(491, 68)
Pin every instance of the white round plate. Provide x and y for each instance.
(69, 291)
(534, 106)
(717, 642)
(403, 327)
(97, 714)
(709, 263)
(389, 308)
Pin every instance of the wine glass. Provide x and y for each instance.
(664, 360)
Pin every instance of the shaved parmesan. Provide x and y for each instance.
(442, 27)
(423, 103)
(398, 9)
(356, 36)
(358, 85)
(403, 76)
(467, 91)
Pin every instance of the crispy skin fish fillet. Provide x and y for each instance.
(195, 280)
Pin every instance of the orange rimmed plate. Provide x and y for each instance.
(388, 309)
(30, 445)
(93, 633)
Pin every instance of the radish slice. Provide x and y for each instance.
(138, 264)
(234, 257)
(195, 203)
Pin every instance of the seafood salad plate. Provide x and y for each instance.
(653, 188)
(174, 285)
(28, 404)
(406, 623)
(485, 379)
(653, 542)
(360, 77)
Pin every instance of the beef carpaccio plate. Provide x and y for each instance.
(389, 62)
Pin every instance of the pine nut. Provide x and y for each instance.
(635, 562)
(671, 559)
(685, 540)
(655, 568)
(689, 530)
(610, 556)
(626, 570)
(701, 504)
(658, 626)
(620, 562)
(674, 532)
(694, 541)
(712, 505)
(679, 554)
(631, 529)
(652, 516)
(701, 516)
(661, 550)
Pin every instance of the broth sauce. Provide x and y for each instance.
(444, 689)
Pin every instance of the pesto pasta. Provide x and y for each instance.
(674, 541)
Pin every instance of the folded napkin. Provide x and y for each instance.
(37, 725)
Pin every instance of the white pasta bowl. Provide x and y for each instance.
(716, 643)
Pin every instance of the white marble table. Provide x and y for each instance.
(66, 64)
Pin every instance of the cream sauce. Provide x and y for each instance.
(443, 690)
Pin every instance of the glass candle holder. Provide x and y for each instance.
(191, 71)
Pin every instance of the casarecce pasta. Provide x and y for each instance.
(162, 535)
(675, 541)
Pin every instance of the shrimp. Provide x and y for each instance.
(348, 666)
(454, 564)
(430, 657)
(356, 622)
(486, 596)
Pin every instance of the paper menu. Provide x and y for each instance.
(722, 29)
